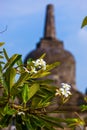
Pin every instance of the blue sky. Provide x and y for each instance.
(25, 21)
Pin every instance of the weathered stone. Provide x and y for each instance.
(49, 31)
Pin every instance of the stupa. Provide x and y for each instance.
(65, 72)
(54, 49)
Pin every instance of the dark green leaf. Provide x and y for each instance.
(84, 23)
(1, 44)
(1, 57)
(12, 61)
(5, 54)
(10, 77)
(3, 82)
(4, 122)
(22, 79)
(84, 107)
(29, 125)
(1, 62)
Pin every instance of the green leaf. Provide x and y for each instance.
(25, 93)
(73, 122)
(3, 82)
(29, 61)
(1, 57)
(84, 23)
(29, 125)
(45, 124)
(38, 121)
(12, 61)
(84, 107)
(1, 62)
(20, 64)
(22, 79)
(4, 122)
(3, 101)
(33, 89)
(43, 56)
(44, 82)
(10, 77)
(1, 44)
(5, 54)
(43, 98)
(18, 126)
(53, 121)
(46, 72)
(51, 66)
(40, 74)
(9, 111)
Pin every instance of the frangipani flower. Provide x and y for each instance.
(65, 86)
(57, 92)
(40, 63)
(64, 90)
(37, 65)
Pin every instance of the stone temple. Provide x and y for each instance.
(65, 72)
(55, 51)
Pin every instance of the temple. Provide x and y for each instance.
(55, 51)
(65, 72)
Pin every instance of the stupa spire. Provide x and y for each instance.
(49, 31)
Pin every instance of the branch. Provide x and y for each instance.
(4, 29)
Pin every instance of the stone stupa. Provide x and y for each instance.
(65, 72)
(55, 51)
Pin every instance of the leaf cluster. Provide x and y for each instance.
(24, 96)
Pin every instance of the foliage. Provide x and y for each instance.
(25, 94)
(84, 106)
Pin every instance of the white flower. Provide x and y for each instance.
(40, 63)
(65, 89)
(57, 92)
(65, 92)
(65, 86)
(21, 113)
